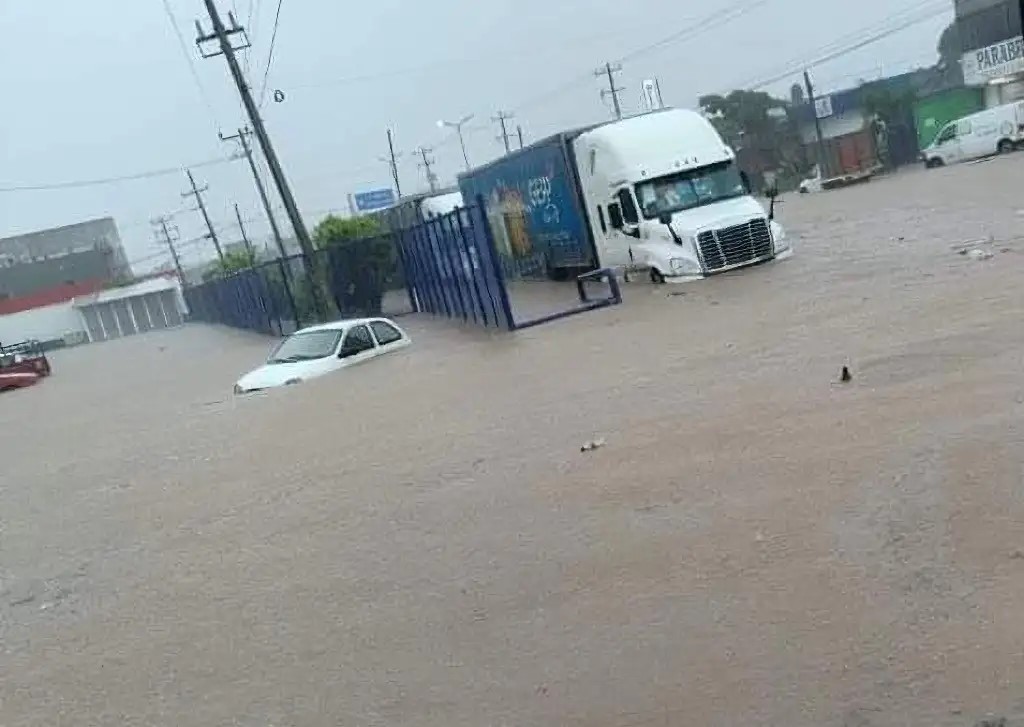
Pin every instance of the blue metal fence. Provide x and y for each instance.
(452, 269)
(447, 266)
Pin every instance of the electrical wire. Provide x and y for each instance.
(113, 180)
(924, 15)
(270, 53)
(707, 23)
(191, 62)
(712, 21)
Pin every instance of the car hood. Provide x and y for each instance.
(270, 375)
(714, 216)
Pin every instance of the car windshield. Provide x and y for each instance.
(692, 188)
(306, 347)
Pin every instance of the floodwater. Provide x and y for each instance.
(420, 541)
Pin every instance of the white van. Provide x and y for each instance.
(998, 130)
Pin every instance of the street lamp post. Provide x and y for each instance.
(457, 125)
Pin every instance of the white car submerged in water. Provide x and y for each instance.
(320, 350)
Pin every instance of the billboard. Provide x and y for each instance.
(374, 199)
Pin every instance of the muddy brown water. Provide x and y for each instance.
(421, 542)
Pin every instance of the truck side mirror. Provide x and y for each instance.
(615, 216)
(665, 218)
(773, 194)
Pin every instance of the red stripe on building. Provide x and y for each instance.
(50, 296)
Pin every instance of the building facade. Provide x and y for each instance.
(148, 305)
(993, 48)
(84, 253)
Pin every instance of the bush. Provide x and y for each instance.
(232, 262)
(357, 261)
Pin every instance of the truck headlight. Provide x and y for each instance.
(684, 266)
(779, 237)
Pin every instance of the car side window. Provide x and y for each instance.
(947, 134)
(963, 128)
(357, 340)
(385, 333)
(629, 211)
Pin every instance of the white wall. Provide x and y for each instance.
(997, 94)
(45, 324)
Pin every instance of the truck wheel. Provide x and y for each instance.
(656, 277)
(1005, 146)
(934, 163)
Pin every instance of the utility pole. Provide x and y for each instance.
(501, 118)
(612, 90)
(162, 221)
(392, 161)
(243, 138)
(426, 164)
(457, 125)
(223, 37)
(519, 129)
(817, 125)
(245, 237)
(198, 194)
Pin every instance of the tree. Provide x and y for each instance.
(950, 50)
(742, 113)
(232, 262)
(334, 230)
(360, 261)
(760, 127)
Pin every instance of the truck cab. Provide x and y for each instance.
(663, 192)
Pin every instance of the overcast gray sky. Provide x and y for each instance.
(93, 93)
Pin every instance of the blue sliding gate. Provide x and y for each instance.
(452, 269)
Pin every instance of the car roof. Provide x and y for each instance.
(339, 325)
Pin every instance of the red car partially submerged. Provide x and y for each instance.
(22, 364)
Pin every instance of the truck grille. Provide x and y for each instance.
(735, 245)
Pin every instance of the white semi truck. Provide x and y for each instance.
(660, 191)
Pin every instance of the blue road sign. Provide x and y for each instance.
(375, 199)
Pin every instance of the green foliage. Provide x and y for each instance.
(743, 114)
(761, 129)
(334, 230)
(950, 52)
(232, 262)
(358, 262)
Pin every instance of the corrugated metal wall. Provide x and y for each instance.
(129, 316)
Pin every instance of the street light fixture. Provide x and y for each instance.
(457, 125)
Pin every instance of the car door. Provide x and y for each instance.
(357, 346)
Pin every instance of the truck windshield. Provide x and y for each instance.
(692, 188)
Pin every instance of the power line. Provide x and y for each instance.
(111, 180)
(270, 53)
(191, 61)
(710, 22)
(850, 48)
